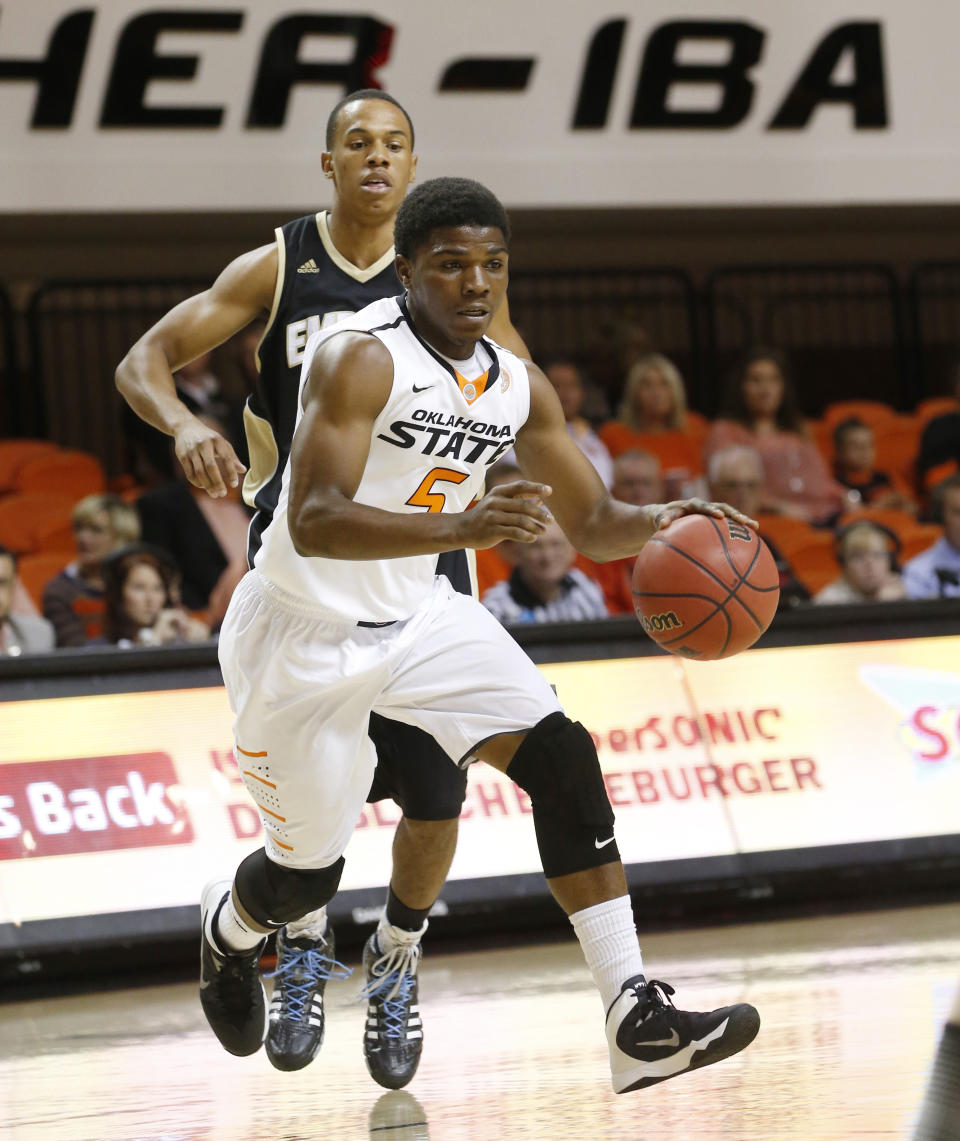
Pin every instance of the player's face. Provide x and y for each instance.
(143, 595)
(372, 162)
(456, 281)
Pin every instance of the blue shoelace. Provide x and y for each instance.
(299, 972)
(398, 987)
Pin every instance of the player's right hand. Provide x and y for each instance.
(513, 511)
(207, 459)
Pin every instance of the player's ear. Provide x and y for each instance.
(403, 267)
(413, 168)
(326, 164)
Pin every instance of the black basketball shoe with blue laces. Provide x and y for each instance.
(394, 1033)
(296, 1010)
(231, 993)
(651, 1040)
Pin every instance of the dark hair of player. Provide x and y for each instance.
(359, 96)
(442, 202)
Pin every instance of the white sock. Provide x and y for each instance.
(389, 936)
(233, 934)
(608, 936)
(313, 925)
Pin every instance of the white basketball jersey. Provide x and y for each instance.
(429, 450)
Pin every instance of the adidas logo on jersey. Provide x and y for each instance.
(309, 266)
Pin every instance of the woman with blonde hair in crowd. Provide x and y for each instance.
(73, 601)
(761, 411)
(653, 417)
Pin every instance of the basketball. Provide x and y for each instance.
(705, 588)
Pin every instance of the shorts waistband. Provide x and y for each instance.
(308, 608)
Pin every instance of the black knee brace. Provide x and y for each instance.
(273, 895)
(557, 767)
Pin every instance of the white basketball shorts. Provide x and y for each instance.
(302, 684)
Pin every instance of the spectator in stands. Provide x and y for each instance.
(143, 603)
(653, 417)
(545, 586)
(73, 601)
(205, 537)
(867, 554)
(636, 480)
(736, 476)
(939, 454)
(855, 452)
(935, 572)
(567, 380)
(760, 410)
(19, 633)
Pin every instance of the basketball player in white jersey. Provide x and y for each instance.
(319, 268)
(401, 410)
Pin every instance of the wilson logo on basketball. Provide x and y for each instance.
(667, 621)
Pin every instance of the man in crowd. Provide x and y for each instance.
(19, 633)
(935, 572)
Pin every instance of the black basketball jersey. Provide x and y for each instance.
(316, 287)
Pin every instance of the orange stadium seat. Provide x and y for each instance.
(935, 406)
(35, 571)
(822, 435)
(786, 532)
(15, 453)
(77, 473)
(899, 522)
(873, 412)
(898, 445)
(54, 536)
(815, 562)
(24, 517)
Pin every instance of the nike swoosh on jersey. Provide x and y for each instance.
(603, 843)
(424, 389)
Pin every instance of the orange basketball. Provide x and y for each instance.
(705, 588)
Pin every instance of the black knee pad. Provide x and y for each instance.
(273, 895)
(557, 767)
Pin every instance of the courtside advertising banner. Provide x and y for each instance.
(118, 105)
(128, 801)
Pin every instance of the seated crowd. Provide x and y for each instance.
(157, 564)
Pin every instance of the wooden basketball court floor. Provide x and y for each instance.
(852, 1008)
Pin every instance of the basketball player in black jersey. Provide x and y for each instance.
(318, 268)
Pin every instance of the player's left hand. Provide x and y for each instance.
(665, 513)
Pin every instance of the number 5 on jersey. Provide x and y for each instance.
(425, 496)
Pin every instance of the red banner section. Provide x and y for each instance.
(90, 804)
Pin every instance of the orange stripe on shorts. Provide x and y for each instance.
(246, 754)
(286, 847)
(247, 773)
(283, 819)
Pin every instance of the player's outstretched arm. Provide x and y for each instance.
(598, 525)
(242, 292)
(350, 380)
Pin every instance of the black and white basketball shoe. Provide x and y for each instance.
(231, 993)
(296, 1010)
(651, 1040)
(393, 1038)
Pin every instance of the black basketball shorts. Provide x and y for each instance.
(415, 772)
